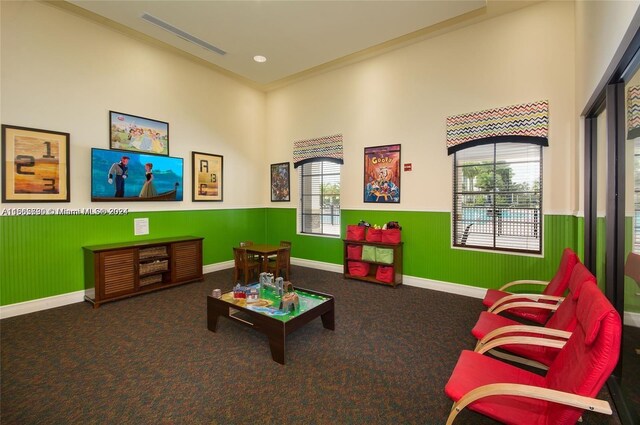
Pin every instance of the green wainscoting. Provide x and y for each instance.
(41, 256)
(427, 246)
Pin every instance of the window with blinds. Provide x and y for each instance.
(319, 211)
(497, 197)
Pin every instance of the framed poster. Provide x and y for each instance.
(35, 165)
(118, 176)
(207, 177)
(138, 134)
(382, 174)
(280, 183)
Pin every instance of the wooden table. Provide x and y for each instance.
(263, 250)
(312, 305)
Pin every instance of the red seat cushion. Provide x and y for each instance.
(474, 370)
(489, 322)
(534, 314)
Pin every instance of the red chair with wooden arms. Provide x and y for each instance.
(244, 266)
(551, 293)
(515, 396)
(493, 329)
(282, 263)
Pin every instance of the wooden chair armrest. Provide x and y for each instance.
(539, 393)
(540, 330)
(532, 297)
(542, 306)
(526, 340)
(523, 282)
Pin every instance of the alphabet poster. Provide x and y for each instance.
(207, 177)
(382, 174)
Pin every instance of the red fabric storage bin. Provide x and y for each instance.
(355, 233)
(357, 268)
(385, 274)
(374, 235)
(354, 252)
(391, 236)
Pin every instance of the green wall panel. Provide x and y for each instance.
(427, 247)
(281, 226)
(41, 256)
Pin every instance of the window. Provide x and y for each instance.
(497, 197)
(320, 198)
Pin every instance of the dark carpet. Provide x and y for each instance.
(151, 359)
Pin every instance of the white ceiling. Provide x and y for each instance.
(295, 36)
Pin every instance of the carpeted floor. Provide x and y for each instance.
(151, 359)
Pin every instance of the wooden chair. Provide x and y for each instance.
(282, 263)
(244, 266)
(283, 244)
(252, 257)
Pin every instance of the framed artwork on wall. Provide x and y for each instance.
(382, 174)
(280, 182)
(35, 165)
(118, 176)
(138, 134)
(207, 176)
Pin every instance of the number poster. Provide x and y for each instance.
(36, 165)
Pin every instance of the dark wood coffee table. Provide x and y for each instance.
(265, 319)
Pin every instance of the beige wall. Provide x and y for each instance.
(600, 28)
(63, 72)
(405, 96)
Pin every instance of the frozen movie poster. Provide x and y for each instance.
(382, 174)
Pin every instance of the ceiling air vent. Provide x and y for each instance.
(182, 34)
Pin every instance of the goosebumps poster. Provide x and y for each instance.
(382, 174)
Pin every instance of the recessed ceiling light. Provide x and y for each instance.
(259, 58)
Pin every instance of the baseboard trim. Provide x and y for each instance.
(17, 309)
(32, 306)
(210, 268)
(438, 285)
(318, 265)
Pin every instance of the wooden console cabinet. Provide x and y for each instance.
(373, 266)
(121, 270)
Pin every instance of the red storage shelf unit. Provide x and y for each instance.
(386, 271)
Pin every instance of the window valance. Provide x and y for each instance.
(633, 112)
(527, 122)
(327, 148)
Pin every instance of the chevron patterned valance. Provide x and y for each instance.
(633, 112)
(321, 149)
(528, 122)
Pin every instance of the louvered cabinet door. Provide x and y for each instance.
(187, 261)
(118, 271)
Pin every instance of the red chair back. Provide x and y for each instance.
(590, 355)
(565, 316)
(558, 284)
